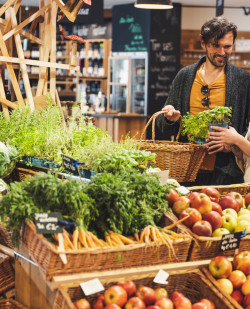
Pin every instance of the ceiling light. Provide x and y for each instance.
(154, 4)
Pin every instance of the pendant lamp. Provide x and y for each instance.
(153, 4)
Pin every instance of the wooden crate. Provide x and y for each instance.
(193, 284)
(10, 304)
(88, 260)
(208, 247)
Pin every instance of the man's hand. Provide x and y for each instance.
(171, 114)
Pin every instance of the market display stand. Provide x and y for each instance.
(33, 291)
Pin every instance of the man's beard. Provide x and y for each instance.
(214, 63)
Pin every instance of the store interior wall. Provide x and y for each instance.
(193, 18)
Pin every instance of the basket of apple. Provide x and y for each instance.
(232, 278)
(189, 290)
(208, 213)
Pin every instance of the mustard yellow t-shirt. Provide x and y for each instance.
(217, 92)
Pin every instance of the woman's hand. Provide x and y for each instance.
(171, 113)
(222, 139)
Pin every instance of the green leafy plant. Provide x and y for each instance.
(196, 126)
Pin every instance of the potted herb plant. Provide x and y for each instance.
(197, 126)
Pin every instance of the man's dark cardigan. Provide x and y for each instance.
(237, 96)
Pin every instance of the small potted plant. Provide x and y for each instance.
(196, 126)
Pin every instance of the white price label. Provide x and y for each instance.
(92, 286)
(182, 190)
(161, 277)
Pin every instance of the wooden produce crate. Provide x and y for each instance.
(203, 248)
(88, 260)
(7, 277)
(193, 284)
(11, 304)
(234, 303)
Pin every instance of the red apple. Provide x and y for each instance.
(99, 303)
(194, 216)
(160, 293)
(164, 303)
(201, 202)
(241, 262)
(213, 193)
(82, 304)
(180, 204)
(229, 202)
(245, 288)
(192, 195)
(172, 196)
(238, 296)
(214, 218)
(220, 267)
(129, 287)
(112, 306)
(202, 228)
(247, 199)
(237, 277)
(153, 307)
(246, 300)
(115, 295)
(175, 295)
(182, 303)
(147, 294)
(199, 305)
(248, 307)
(237, 196)
(217, 207)
(135, 302)
(209, 303)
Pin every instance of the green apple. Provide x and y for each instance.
(243, 218)
(229, 222)
(241, 226)
(220, 232)
(229, 211)
(244, 211)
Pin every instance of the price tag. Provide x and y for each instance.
(71, 165)
(182, 190)
(161, 277)
(230, 241)
(47, 223)
(92, 286)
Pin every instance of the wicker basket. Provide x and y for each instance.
(203, 248)
(5, 237)
(234, 303)
(183, 160)
(87, 260)
(7, 277)
(11, 304)
(193, 284)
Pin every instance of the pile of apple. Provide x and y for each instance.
(208, 214)
(233, 277)
(126, 295)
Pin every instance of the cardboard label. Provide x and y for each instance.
(230, 241)
(92, 286)
(47, 223)
(161, 277)
(182, 190)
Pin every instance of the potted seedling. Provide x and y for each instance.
(196, 126)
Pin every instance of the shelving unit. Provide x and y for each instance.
(191, 50)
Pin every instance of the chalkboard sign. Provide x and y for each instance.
(219, 7)
(88, 14)
(71, 165)
(230, 241)
(93, 31)
(47, 223)
(131, 28)
(164, 55)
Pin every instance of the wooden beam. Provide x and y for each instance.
(8, 103)
(23, 66)
(31, 37)
(26, 22)
(38, 63)
(5, 7)
(11, 71)
(2, 95)
(53, 50)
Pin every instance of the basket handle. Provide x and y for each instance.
(152, 119)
